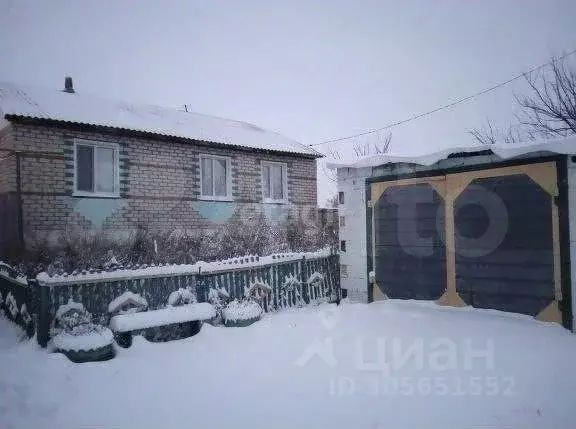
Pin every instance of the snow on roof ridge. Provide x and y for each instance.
(562, 145)
(84, 108)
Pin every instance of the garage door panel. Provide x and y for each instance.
(511, 303)
(413, 211)
(425, 238)
(508, 257)
(410, 261)
(430, 291)
(539, 289)
(407, 267)
(512, 271)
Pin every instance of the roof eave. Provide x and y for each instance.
(81, 126)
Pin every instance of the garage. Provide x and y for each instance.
(487, 228)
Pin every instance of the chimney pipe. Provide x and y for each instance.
(68, 85)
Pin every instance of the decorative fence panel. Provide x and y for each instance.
(95, 296)
(288, 280)
(17, 298)
(292, 284)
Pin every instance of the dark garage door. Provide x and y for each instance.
(410, 257)
(504, 244)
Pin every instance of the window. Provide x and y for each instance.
(340, 197)
(342, 221)
(96, 169)
(344, 271)
(343, 245)
(215, 178)
(274, 187)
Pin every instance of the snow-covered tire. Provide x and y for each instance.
(195, 327)
(123, 339)
(176, 331)
(96, 355)
(241, 323)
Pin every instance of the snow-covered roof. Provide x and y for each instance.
(81, 108)
(564, 146)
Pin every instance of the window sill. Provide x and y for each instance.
(94, 195)
(267, 201)
(219, 199)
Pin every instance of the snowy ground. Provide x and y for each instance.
(312, 368)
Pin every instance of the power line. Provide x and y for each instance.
(445, 106)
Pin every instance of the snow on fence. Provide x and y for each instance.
(293, 279)
(17, 298)
(96, 296)
(168, 270)
(287, 284)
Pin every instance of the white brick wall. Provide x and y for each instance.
(352, 182)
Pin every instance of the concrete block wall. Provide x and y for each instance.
(352, 218)
(159, 184)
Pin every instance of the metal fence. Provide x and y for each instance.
(287, 281)
(291, 284)
(17, 298)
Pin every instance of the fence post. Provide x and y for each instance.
(305, 288)
(198, 286)
(43, 323)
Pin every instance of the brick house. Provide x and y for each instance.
(70, 161)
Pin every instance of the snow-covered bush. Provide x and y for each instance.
(70, 315)
(12, 273)
(218, 298)
(75, 333)
(243, 310)
(79, 250)
(181, 297)
(128, 302)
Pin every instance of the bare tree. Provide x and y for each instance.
(370, 146)
(549, 110)
(491, 135)
(380, 146)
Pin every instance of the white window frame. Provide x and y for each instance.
(284, 182)
(228, 196)
(98, 144)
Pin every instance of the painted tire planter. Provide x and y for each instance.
(177, 331)
(241, 313)
(123, 339)
(96, 355)
(86, 343)
(241, 323)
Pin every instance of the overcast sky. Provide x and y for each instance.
(312, 70)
